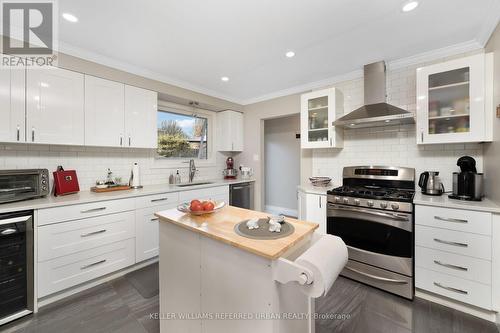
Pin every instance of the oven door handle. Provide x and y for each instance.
(371, 212)
(374, 277)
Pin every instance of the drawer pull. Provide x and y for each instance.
(460, 268)
(450, 243)
(93, 210)
(93, 233)
(93, 264)
(460, 291)
(155, 219)
(374, 277)
(449, 219)
(159, 199)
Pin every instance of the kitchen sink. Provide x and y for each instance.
(193, 184)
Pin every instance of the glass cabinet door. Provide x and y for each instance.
(318, 125)
(449, 102)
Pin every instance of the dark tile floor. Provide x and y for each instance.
(118, 306)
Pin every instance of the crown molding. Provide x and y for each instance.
(356, 74)
(116, 64)
(433, 55)
(490, 23)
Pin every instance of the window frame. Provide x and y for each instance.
(169, 163)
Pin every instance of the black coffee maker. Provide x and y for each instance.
(468, 183)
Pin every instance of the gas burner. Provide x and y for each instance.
(375, 193)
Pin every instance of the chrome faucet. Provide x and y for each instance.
(192, 170)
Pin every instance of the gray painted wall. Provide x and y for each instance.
(492, 150)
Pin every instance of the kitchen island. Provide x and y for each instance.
(213, 280)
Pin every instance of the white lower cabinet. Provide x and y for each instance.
(146, 223)
(220, 193)
(453, 254)
(68, 271)
(61, 239)
(312, 208)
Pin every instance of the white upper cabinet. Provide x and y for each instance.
(141, 108)
(54, 106)
(104, 113)
(12, 115)
(454, 101)
(230, 131)
(317, 112)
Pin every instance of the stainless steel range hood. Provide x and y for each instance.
(376, 112)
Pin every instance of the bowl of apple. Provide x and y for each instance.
(201, 207)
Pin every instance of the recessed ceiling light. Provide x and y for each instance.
(224, 78)
(70, 17)
(290, 54)
(409, 6)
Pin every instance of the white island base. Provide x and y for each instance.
(220, 288)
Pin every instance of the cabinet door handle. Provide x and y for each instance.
(422, 136)
(449, 219)
(154, 219)
(32, 134)
(159, 199)
(121, 141)
(18, 133)
(460, 268)
(450, 243)
(460, 291)
(93, 210)
(129, 141)
(93, 233)
(319, 197)
(93, 264)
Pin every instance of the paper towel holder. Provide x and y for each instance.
(285, 271)
(131, 180)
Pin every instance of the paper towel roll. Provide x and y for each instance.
(135, 178)
(326, 258)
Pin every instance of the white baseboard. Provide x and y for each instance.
(469, 309)
(87, 285)
(275, 210)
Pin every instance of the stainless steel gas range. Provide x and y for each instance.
(373, 213)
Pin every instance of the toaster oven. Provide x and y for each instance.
(23, 184)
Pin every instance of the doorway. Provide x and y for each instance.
(282, 165)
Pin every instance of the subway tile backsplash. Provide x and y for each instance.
(393, 145)
(91, 163)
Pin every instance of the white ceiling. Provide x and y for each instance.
(192, 43)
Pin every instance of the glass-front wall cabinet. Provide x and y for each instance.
(318, 110)
(451, 101)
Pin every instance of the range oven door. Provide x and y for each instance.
(374, 237)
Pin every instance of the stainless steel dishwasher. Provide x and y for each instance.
(241, 195)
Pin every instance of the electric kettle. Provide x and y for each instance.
(430, 184)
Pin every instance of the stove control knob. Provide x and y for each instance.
(346, 200)
(337, 199)
(383, 205)
(394, 206)
(369, 203)
(357, 202)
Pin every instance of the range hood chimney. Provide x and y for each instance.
(376, 112)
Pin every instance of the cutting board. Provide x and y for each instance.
(110, 189)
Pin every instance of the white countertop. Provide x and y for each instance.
(485, 205)
(88, 196)
(308, 188)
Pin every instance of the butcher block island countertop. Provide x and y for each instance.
(220, 226)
